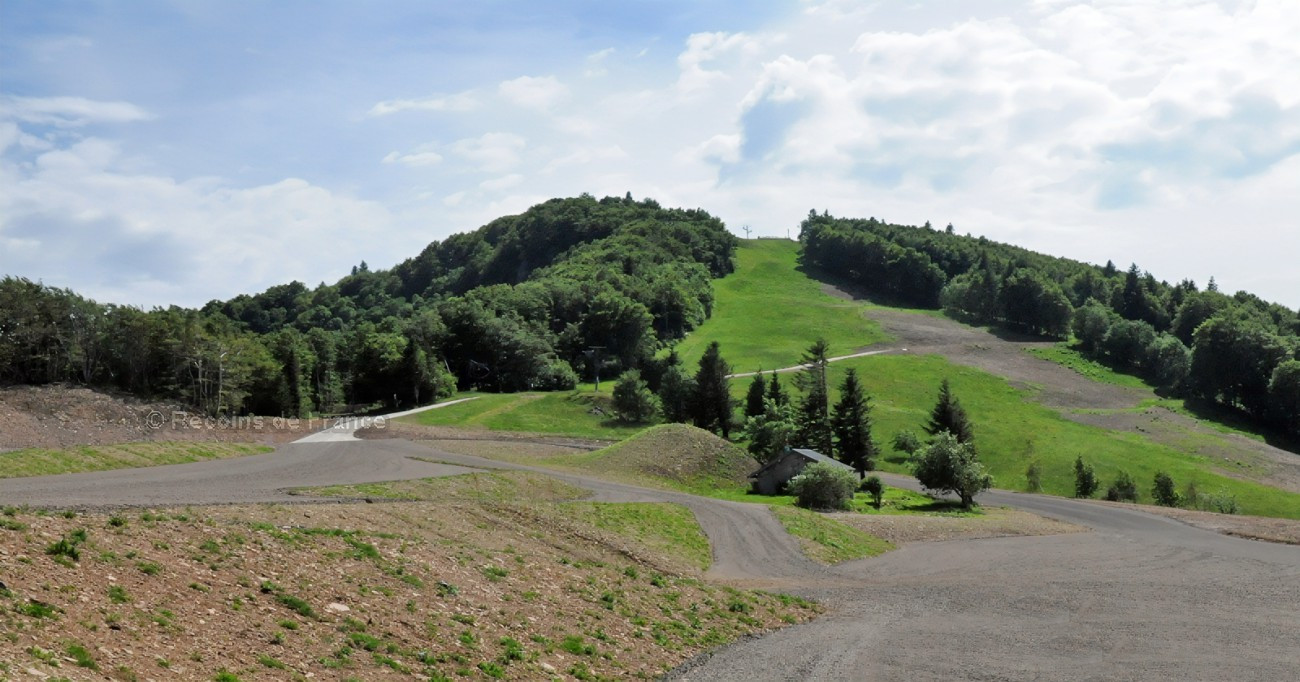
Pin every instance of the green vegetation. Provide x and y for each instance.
(668, 529)
(577, 414)
(826, 540)
(1069, 356)
(668, 455)
(44, 462)
(1013, 431)
(823, 485)
(762, 313)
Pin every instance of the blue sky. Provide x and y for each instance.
(175, 152)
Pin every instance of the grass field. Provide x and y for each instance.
(828, 541)
(1066, 356)
(765, 312)
(44, 462)
(569, 414)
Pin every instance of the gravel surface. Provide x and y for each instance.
(1139, 597)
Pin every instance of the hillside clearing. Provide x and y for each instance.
(70, 460)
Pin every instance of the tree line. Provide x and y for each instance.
(1237, 352)
(532, 301)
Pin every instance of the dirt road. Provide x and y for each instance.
(1140, 597)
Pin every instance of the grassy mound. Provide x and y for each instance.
(678, 454)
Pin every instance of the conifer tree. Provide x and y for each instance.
(754, 399)
(851, 424)
(949, 416)
(711, 408)
(813, 416)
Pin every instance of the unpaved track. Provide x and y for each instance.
(1142, 597)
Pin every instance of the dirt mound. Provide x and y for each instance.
(60, 415)
(679, 453)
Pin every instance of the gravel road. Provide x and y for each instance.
(1140, 597)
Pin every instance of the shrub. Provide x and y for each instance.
(906, 442)
(823, 485)
(875, 488)
(1123, 489)
(1163, 490)
(1085, 480)
(1223, 502)
(555, 375)
(1033, 477)
(633, 401)
(948, 465)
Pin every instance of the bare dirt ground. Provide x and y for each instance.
(59, 416)
(1074, 395)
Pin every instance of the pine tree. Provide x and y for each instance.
(814, 411)
(851, 424)
(949, 416)
(711, 408)
(676, 391)
(774, 392)
(754, 399)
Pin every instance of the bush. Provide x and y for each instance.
(1123, 489)
(823, 485)
(1223, 502)
(633, 401)
(1085, 480)
(948, 465)
(875, 488)
(555, 375)
(1033, 477)
(1163, 491)
(906, 442)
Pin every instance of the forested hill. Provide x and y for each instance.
(1238, 351)
(511, 305)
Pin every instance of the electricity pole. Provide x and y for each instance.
(593, 356)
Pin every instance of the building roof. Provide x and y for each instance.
(810, 455)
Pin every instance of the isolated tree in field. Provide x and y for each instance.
(1033, 477)
(770, 433)
(1123, 489)
(676, 390)
(851, 424)
(1163, 490)
(1085, 479)
(874, 487)
(712, 407)
(757, 394)
(823, 485)
(814, 417)
(633, 401)
(906, 442)
(949, 416)
(948, 465)
(775, 393)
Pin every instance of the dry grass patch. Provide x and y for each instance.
(992, 523)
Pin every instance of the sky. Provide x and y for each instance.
(157, 153)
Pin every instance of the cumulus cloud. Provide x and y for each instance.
(419, 158)
(533, 92)
(461, 102)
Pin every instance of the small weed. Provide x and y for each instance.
(69, 546)
(575, 645)
(117, 521)
(495, 573)
(514, 651)
(117, 594)
(200, 587)
(271, 662)
(463, 618)
(44, 656)
(82, 656)
(11, 524)
(468, 638)
(38, 609)
(446, 589)
(224, 675)
(149, 567)
(296, 605)
(288, 624)
(492, 670)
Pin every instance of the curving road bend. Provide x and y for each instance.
(1142, 597)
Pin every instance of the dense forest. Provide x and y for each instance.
(531, 301)
(1238, 352)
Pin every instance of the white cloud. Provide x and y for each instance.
(533, 92)
(491, 152)
(596, 62)
(461, 102)
(69, 111)
(421, 158)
